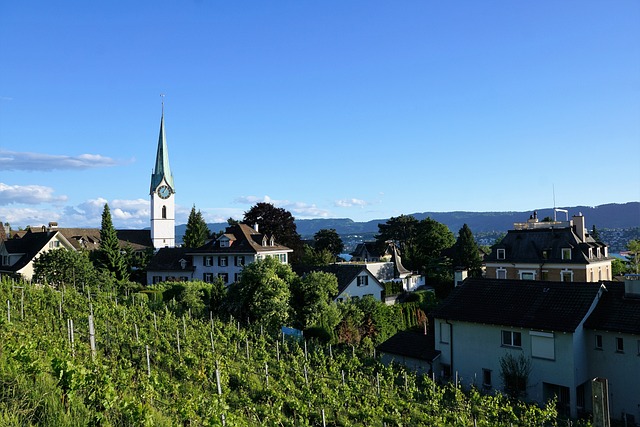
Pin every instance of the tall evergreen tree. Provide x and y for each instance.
(197, 231)
(110, 256)
(467, 254)
(595, 234)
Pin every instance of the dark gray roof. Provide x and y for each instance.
(345, 273)
(29, 244)
(555, 306)
(367, 250)
(616, 312)
(411, 344)
(168, 259)
(244, 240)
(527, 246)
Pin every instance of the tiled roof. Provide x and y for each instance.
(89, 238)
(168, 259)
(367, 250)
(615, 311)
(527, 246)
(411, 344)
(244, 240)
(556, 306)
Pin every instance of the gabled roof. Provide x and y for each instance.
(527, 246)
(30, 244)
(168, 259)
(244, 240)
(345, 273)
(555, 306)
(411, 344)
(367, 250)
(137, 239)
(615, 311)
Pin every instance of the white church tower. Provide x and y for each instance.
(163, 219)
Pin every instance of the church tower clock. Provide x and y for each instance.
(163, 221)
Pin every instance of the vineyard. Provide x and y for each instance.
(83, 357)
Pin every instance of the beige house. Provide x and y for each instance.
(558, 251)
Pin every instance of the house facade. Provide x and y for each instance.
(355, 281)
(559, 251)
(224, 257)
(554, 327)
(18, 254)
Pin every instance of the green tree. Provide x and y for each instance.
(197, 231)
(328, 239)
(618, 267)
(110, 257)
(63, 267)
(263, 293)
(466, 252)
(432, 238)
(595, 234)
(312, 299)
(277, 222)
(312, 257)
(633, 258)
(402, 230)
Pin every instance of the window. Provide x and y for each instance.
(207, 261)
(598, 252)
(157, 279)
(544, 275)
(542, 345)
(236, 277)
(224, 277)
(164, 212)
(566, 276)
(545, 254)
(239, 260)
(54, 244)
(500, 253)
(486, 378)
(590, 253)
(184, 279)
(619, 345)
(566, 254)
(527, 275)
(598, 342)
(511, 339)
(222, 261)
(207, 277)
(501, 273)
(363, 280)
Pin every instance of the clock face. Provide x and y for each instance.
(164, 191)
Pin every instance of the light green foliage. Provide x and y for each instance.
(314, 258)
(64, 267)
(45, 380)
(263, 293)
(313, 300)
(633, 259)
(197, 232)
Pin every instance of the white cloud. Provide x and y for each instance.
(21, 217)
(13, 160)
(300, 210)
(348, 203)
(27, 194)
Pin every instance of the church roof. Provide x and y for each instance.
(162, 169)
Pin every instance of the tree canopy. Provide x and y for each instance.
(277, 222)
(328, 239)
(64, 267)
(466, 252)
(197, 231)
(109, 255)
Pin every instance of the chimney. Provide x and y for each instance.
(579, 227)
(255, 227)
(632, 286)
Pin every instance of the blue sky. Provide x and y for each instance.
(329, 109)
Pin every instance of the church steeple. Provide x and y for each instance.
(162, 169)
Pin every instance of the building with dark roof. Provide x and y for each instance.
(224, 257)
(414, 350)
(560, 251)
(354, 280)
(570, 332)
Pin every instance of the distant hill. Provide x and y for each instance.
(612, 215)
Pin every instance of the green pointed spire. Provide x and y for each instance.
(162, 169)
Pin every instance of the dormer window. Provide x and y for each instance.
(590, 253)
(598, 253)
(183, 263)
(272, 241)
(264, 241)
(566, 254)
(500, 253)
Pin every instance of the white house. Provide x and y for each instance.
(552, 324)
(18, 254)
(224, 257)
(354, 280)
